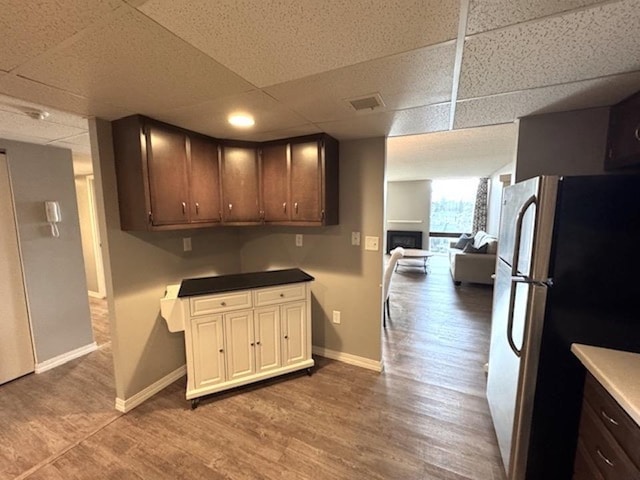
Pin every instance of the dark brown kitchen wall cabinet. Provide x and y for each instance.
(308, 195)
(240, 184)
(167, 178)
(623, 143)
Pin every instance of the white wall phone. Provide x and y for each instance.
(52, 210)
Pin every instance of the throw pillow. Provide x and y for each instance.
(464, 240)
(469, 248)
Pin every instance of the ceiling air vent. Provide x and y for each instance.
(366, 102)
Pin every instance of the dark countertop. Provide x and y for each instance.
(241, 281)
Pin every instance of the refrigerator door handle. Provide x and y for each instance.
(515, 278)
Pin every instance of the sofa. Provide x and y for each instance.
(476, 262)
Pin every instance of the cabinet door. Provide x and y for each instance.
(623, 149)
(240, 185)
(267, 335)
(294, 332)
(204, 180)
(306, 178)
(275, 183)
(167, 169)
(239, 337)
(208, 351)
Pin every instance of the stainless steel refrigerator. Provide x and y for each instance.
(567, 271)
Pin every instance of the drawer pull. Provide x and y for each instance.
(286, 336)
(637, 133)
(197, 208)
(604, 458)
(224, 304)
(284, 207)
(282, 295)
(221, 350)
(608, 418)
(184, 208)
(257, 343)
(252, 344)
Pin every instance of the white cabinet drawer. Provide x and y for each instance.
(285, 293)
(222, 302)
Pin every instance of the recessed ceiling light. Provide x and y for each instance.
(241, 120)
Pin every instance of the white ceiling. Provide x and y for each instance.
(437, 63)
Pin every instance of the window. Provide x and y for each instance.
(452, 204)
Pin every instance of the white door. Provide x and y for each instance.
(208, 351)
(267, 335)
(239, 336)
(16, 349)
(294, 332)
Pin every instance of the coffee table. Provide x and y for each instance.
(415, 254)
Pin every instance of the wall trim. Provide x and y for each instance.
(126, 405)
(65, 357)
(377, 366)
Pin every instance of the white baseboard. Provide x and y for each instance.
(93, 294)
(363, 362)
(65, 357)
(126, 405)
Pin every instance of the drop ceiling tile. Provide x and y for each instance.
(14, 105)
(130, 60)
(297, 131)
(80, 140)
(30, 28)
(29, 90)
(278, 41)
(84, 149)
(405, 122)
(485, 15)
(22, 124)
(574, 96)
(210, 118)
(416, 78)
(579, 45)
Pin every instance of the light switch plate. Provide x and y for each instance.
(355, 238)
(186, 244)
(336, 316)
(371, 243)
(298, 240)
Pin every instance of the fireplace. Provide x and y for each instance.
(404, 239)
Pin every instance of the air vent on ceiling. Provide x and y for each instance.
(366, 102)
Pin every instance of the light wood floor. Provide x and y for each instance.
(425, 417)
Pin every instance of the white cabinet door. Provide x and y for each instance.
(208, 351)
(294, 332)
(239, 336)
(268, 344)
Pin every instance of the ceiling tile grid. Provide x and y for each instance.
(20, 122)
(282, 40)
(134, 62)
(30, 28)
(579, 45)
(416, 78)
(488, 15)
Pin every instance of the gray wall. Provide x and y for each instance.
(53, 267)
(565, 143)
(347, 278)
(88, 249)
(409, 201)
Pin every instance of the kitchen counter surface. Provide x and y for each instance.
(241, 281)
(617, 371)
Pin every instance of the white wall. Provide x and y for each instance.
(409, 201)
(86, 232)
(53, 267)
(495, 198)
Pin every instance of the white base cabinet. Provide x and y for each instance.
(236, 338)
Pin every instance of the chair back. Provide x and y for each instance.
(396, 253)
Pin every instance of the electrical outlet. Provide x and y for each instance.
(371, 243)
(355, 238)
(186, 244)
(336, 316)
(298, 240)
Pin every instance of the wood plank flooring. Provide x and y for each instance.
(100, 320)
(425, 417)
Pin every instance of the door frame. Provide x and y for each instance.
(95, 239)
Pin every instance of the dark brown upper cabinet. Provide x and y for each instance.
(623, 143)
(300, 181)
(170, 178)
(167, 179)
(240, 184)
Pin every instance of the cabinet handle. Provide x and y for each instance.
(604, 458)
(295, 206)
(286, 336)
(282, 295)
(220, 215)
(637, 133)
(257, 343)
(607, 417)
(230, 206)
(197, 207)
(252, 344)
(221, 350)
(284, 207)
(224, 304)
(184, 207)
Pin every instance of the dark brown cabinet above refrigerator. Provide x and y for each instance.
(170, 178)
(623, 143)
